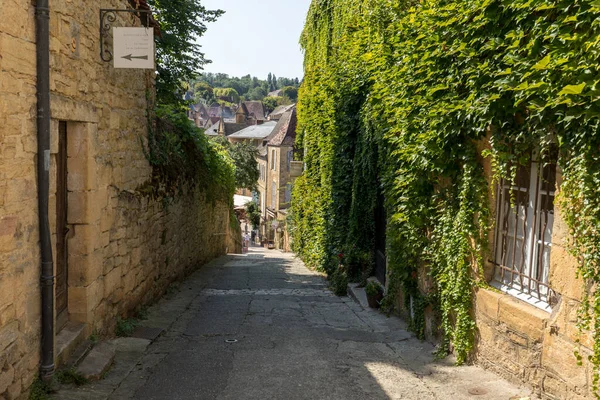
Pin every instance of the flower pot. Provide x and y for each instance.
(374, 300)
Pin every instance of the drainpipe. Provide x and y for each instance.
(42, 15)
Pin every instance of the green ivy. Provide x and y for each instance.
(397, 95)
(183, 158)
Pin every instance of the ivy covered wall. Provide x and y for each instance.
(396, 97)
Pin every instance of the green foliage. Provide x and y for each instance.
(125, 327)
(183, 158)
(227, 94)
(243, 156)
(253, 213)
(256, 93)
(373, 288)
(70, 376)
(290, 91)
(39, 391)
(245, 84)
(178, 55)
(338, 282)
(396, 98)
(203, 92)
(272, 103)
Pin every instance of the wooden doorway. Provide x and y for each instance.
(380, 238)
(62, 229)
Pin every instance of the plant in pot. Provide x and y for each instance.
(374, 293)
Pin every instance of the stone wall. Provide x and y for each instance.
(519, 341)
(123, 248)
(525, 344)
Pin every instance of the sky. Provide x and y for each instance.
(255, 37)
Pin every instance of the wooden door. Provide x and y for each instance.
(380, 227)
(62, 229)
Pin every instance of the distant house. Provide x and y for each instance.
(275, 93)
(254, 133)
(252, 112)
(278, 171)
(226, 112)
(280, 111)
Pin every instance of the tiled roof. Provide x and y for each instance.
(218, 111)
(284, 133)
(280, 110)
(255, 131)
(255, 109)
(231, 128)
(275, 93)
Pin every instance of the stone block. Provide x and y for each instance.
(85, 269)
(521, 317)
(83, 299)
(14, 391)
(563, 271)
(112, 281)
(8, 313)
(486, 302)
(6, 378)
(553, 386)
(82, 174)
(85, 239)
(558, 356)
(85, 207)
(8, 334)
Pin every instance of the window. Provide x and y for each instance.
(525, 215)
(273, 160)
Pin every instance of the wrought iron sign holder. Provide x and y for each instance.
(107, 17)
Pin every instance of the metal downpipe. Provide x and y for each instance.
(42, 16)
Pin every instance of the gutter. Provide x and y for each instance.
(42, 16)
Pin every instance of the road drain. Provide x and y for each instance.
(477, 391)
(231, 341)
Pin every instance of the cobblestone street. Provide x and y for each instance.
(262, 326)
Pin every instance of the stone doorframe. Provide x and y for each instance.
(83, 218)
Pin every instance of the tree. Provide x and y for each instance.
(178, 55)
(253, 214)
(270, 81)
(227, 94)
(244, 158)
(256, 94)
(203, 92)
(274, 81)
(291, 92)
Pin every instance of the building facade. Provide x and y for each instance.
(113, 248)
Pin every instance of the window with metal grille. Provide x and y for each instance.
(525, 215)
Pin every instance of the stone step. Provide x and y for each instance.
(79, 354)
(97, 362)
(68, 340)
(358, 294)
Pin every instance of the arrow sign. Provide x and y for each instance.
(133, 47)
(129, 57)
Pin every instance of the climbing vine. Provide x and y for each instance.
(398, 97)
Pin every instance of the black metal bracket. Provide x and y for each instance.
(108, 16)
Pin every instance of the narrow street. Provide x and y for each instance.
(262, 326)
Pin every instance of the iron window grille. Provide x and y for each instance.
(524, 220)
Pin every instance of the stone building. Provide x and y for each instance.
(278, 173)
(113, 248)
